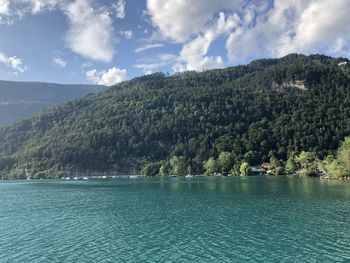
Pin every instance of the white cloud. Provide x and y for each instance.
(4, 7)
(128, 34)
(119, 8)
(322, 23)
(108, 77)
(261, 28)
(180, 20)
(14, 10)
(302, 26)
(197, 25)
(37, 6)
(148, 46)
(13, 62)
(58, 61)
(194, 53)
(91, 31)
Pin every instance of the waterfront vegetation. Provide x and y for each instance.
(292, 113)
(303, 164)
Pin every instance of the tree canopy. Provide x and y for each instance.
(250, 113)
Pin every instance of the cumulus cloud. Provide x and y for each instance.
(322, 23)
(302, 26)
(108, 77)
(13, 62)
(248, 29)
(194, 54)
(180, 20)
(256, 28)
(91, 31)
(119, 9)
(195, 24)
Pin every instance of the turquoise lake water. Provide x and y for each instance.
(253, 219)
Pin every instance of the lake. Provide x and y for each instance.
(242, 219)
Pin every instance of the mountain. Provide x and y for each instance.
(21, 99)
(270, 107)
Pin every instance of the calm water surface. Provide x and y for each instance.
(175, 220)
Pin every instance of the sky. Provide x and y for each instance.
(106, 42)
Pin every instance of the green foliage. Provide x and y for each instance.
(179, 165)
(151, 169)
(292, 165)
(244, 169)
(235, 169)
(165, 168)
(308, 163)
(334, 170)
(211, 166)
(338, 167)
(343, 156)
(225, 162)
(251, 111)
(274, 161)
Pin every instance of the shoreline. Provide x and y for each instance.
(85, 178)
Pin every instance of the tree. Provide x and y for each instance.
(308, 163)
(274, 161)
(343, 156)
(244, 169)
(165, 169)
(292, 164)
(153, 118)
(235, 168)
(334, 170)
(151, 169)
(179, 165)
(210, 166)
(324, 165)
(225, 162)
(339, 167)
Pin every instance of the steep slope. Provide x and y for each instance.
(22, 99)
(269, 107)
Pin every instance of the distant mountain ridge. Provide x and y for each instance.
(22, 99)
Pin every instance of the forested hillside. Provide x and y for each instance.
(22, 99)
(271, 107)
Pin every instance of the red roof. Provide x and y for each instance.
(265, 165)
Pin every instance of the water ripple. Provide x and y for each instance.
(159, 220)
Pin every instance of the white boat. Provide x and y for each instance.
(189, 176)
(133, 176)
(85, 178)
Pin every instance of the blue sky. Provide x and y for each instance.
(105, 42)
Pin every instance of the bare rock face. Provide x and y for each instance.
(297, 84)
(343, 63)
